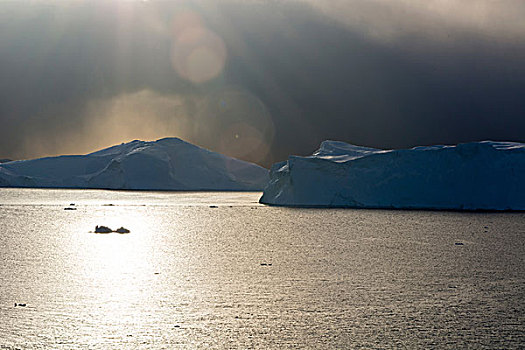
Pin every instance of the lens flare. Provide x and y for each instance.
(244, 127)
(197, 53)
(242, 140)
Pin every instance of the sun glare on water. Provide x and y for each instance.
(118, 265)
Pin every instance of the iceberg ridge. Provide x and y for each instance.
(483, 175)
(165, 164)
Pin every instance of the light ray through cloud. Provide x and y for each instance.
(378, 73)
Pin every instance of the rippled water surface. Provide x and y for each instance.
(218, 270)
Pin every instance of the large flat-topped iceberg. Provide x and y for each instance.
(166, 164)
(472, 176)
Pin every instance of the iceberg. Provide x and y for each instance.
(471, 176)
(165, 164)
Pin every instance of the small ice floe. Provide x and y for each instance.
(71, 207)
(105, 229)
(122, 230)
(102, 229)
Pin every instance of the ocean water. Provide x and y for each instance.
(219, 270)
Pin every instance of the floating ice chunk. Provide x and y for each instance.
(103, 229)
(122, 230)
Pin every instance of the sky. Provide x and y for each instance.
(256, 79)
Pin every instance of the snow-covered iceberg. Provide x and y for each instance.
(472, 176)
(166, 164)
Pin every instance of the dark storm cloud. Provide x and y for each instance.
(393, 74)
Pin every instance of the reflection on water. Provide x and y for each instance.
(192, 275)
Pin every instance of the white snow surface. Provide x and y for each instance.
(165, 164)
(483, 175)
